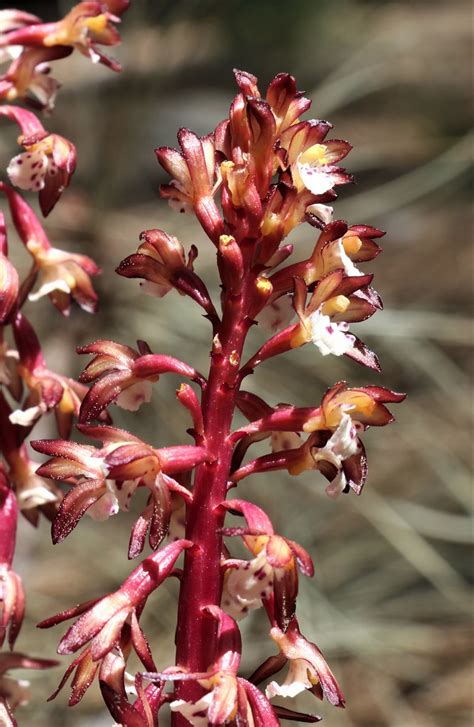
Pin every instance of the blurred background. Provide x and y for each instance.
(390, 603)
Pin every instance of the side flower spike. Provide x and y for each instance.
(272, 573)
(308, 669)
(101, 624)
(48, 160)
(125, 376)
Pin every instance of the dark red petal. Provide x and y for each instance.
(257, 520)
(270, 666)
(120, 709)
(139, 531)
(290, 714)
(303, 558)
(141, 645)
(364, 355)
(73, 507)
(262, 711)
(285, 590)
(103, 393)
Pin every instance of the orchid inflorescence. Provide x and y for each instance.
(260, 174)
(28, 388)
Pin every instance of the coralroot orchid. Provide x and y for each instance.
(262, 172)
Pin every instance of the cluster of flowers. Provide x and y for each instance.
(28, 388)
(261, 173)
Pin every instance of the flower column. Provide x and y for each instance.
(202, 582)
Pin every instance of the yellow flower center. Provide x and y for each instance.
(316, 154)
(337, 304)
(270, 224)
(97, 24)
(351, 243)
(264, 286)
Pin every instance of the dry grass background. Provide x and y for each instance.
(390, 603)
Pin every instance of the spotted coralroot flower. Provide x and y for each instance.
(195, 179)
(29, 78)
(103, 481)
(62, 276)
(125, 376)
(228, 699)
(47, 162)
(86, 26)
(29, 388)
(272, 574)
(160, 261)
(47, 391)
(333, 446)
(338, 248)
(34, 495)
(308, 669)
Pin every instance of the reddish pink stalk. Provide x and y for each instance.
(201, 583)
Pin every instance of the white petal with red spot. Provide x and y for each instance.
(136, 395)
(316, 178)
(277, 314)
(342, 445)
(28, 170)
(196, 713)
(330, 337)
(246, 585)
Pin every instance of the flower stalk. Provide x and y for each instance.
(201, 582)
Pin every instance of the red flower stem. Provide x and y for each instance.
(201, 583)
